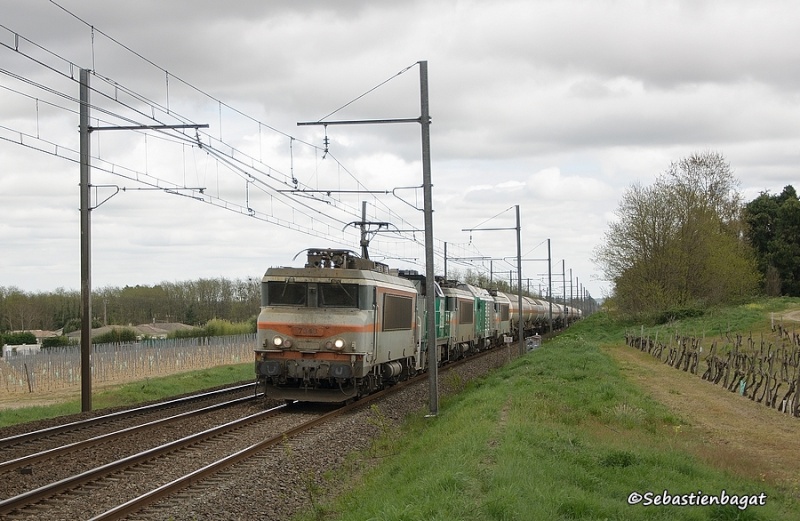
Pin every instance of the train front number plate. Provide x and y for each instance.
(307, 331)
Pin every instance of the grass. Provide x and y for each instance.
(749, 319)
(136, 393)
(559, 434)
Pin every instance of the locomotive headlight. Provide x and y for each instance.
(338, 344)
(282, 343)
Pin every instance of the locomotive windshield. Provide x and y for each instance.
(309, 294)
(286, 293)
(338, 295)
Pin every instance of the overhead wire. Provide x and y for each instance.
(376, 87)
(178, 78)
(66, 69)
(246, 175)
(117, 86)
(102, 165)
(354, 211)
(54, 149)
(95, 106)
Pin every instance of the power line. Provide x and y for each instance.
(376, 87)
(253, 171)
(220, 102)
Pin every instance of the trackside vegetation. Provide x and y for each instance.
(217, 327)
(558, 434)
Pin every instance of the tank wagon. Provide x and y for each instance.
(342, 326)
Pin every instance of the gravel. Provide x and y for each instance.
(290, 479)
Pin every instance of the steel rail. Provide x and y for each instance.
(32, 496)
(168, 489)
(49, 431)
(78, 445)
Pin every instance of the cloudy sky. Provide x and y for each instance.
(555, 106)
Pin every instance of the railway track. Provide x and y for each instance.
(51, 435)
(214, 468)
(128, 484)
(28, 467)
(87, 443)
(162, 460)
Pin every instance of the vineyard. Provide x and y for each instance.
(58, 369)
(765, 369)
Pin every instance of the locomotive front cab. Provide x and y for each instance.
(311, 335)
(333, 330)
(307, 300)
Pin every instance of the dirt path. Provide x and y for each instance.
(792, 315)
(723, 428)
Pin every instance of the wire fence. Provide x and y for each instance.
(60, 368)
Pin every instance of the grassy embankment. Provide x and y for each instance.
(136, 392)
(558, 434)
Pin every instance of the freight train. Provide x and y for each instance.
(344, 326)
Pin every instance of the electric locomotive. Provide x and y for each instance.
(338, 328)
(344, 326)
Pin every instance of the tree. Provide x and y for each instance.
(638, 248)
(773, 228)
(57, 341)
(19, 338)
(193, 302)
(678, 243)
(19, 311)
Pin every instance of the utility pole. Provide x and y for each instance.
(550, 283)
(571, 298)
(86, 232)
(430, 285)
(445, 261)
(364, 241)
(519, 278)
(518, 229)
(86, 248)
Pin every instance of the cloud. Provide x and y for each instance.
(553, 106)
